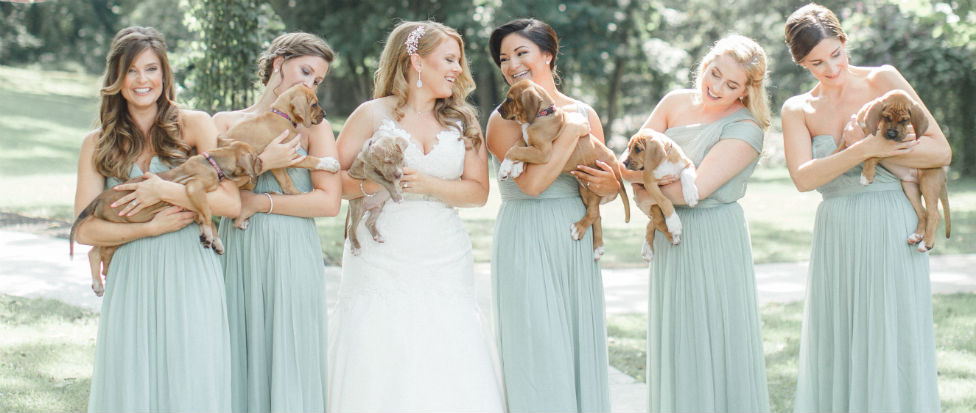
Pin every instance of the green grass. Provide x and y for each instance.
(45, 115)
(45, 355)
(955, 343)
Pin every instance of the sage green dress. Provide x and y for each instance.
(868, 341)
(162, 335)
(547, 296)
(704, 346)
(275, 280)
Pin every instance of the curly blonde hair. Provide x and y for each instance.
(391, 77)
(752, 57)
(120, 141)
(291, 45)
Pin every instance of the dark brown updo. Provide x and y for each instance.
(807, 26)
(291, 45)
(536, 31)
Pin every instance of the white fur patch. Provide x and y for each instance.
(674, 227)
(668, 168)
(328, 163)
(574, 233)
(864, 180)
(598, 253)
(647, 252)
(688, 187)
(525, 133)
(914, 238)
(505, 170)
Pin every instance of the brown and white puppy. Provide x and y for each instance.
(297, 105)
(380, 161)
(656, 155)
(530, 105)
(890, 115)
(237, 162)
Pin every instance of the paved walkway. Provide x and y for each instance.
(38, 266)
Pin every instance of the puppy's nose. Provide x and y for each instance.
(398, 175)
(891, 134)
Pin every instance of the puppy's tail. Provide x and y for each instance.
(85, 213)
(623, 191)
(944, 197)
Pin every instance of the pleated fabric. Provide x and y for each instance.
(162, 335)
(275, 281)
(703, 335)
(868, 340)
(548, 304)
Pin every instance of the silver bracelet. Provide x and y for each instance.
(363, 189)
(270, 199)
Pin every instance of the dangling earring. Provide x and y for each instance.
(547, 61)
(419, 83)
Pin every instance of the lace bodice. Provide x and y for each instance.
(445, 159)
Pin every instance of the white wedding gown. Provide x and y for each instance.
(407, 331)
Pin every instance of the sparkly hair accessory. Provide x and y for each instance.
(413, 38)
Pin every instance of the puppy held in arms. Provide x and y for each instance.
(298, 105)
(890, 116)
(380, 161)
(200, 174)
(656, 156)
(530, 105)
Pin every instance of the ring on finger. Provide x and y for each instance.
(405, 184)
(134, 202)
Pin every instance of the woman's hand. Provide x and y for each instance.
(876, 146)
(145, 193)
(602, 182)
(415, 182)
(171, 219)
(280, 154)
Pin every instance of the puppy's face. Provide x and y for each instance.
(385, 155)
(893, 113)
(301, 104)
(523, 101)
(643, 151)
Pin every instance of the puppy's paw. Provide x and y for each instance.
(355, 251)
(688, 188)
(922, 247)
(218, 246)
(328, 164)
(517, 169)
(673, 223)
(576, 231)
(864, 180)
(505, 170)
(646, 252)
(204, 241)
(378, 238)
(98, 289)
(241, 223)
(598, 253)
(914, 239)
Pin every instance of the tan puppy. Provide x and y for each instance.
(656, 155)
(380, 161)
(530, 105)
(237, 162)
(298, 105)
(891, 114)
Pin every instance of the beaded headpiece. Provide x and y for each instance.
(414, 38)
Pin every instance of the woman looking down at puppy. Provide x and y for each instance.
(868, 340)
(162, 336)
(278, 355)
(547, 289)
(704, 343)
(407, 330)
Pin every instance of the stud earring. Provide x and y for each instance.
(547, 61)
(419, 83)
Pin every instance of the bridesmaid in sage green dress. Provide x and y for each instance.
(163, 341)
(704, 347)
(546, 287)
(273, 270)
(868, 338)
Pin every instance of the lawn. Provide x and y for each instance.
(45, 115)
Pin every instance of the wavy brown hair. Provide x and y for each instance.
(291, 45)
(391, 77)
(120, 141)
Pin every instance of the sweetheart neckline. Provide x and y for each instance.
(413, 142)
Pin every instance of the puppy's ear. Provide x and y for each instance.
(873, 116)
(402, 143)
(222, 142)
(654, 154)
(300, 109)
(531, 103)
(920, 122)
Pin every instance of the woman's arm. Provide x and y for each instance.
(809, 173)
(199, 131)
(324, 198)
(502, 134)
(469, 191)
(357, 129)
(722, 162)
(98, 232)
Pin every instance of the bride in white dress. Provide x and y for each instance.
(407, 333)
